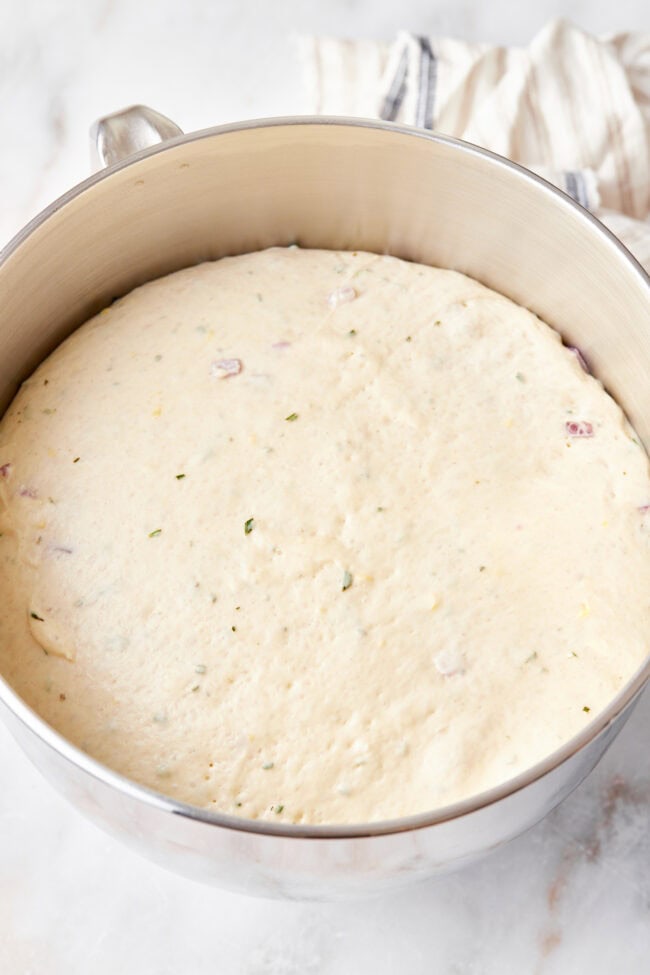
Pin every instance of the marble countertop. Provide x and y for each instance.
(570, 896)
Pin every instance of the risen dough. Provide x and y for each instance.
(319, 537)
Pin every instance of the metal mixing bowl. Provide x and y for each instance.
(331, 183)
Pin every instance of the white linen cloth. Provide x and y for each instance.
(572, 107)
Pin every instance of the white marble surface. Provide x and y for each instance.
(571, 896)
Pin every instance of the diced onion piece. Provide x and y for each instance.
(579, 356)
(222, 368)
(341, 296)
(579, 428)
(449, 662)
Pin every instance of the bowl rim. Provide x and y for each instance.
(601, 721)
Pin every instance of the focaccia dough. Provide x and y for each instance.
(319, 537)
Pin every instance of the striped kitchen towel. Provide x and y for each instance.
(572, 107)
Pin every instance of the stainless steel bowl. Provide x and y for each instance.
(333, 183)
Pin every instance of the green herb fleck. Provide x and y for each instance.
(155, 532)
(380, 508)
(268, 765)
(279, 809)
(200, 669)
(408, 338)
(158, 357)
(196, 688)
(238, 804)
(586, 709)
(259, 296)
(352, 331)
(437, 322)
(35, 616)
(248, 526)
(291, 417)
(48, 411)
(532, 657)
(76, 460)
(234, 629)
(347, 580)
(481, 568)
(179, 477)
(572, 653)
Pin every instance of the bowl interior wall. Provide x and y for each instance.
(329, 185)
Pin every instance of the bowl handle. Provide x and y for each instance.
(114, 137)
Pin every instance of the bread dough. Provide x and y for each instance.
(319, 537)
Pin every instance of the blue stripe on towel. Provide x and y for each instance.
(428, 76)
(395, 95)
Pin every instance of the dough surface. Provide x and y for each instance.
(319, 537)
